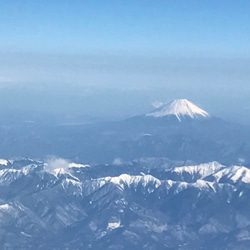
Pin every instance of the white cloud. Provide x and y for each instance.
(117, 161)
(56, 166)
(157, 104)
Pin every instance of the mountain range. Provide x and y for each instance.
(150, 203)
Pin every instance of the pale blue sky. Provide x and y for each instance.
(210, 28)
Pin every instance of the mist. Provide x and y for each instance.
(117, 86)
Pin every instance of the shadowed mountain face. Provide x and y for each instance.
(148, 204)
(179, 130)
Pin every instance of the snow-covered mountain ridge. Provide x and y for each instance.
(58, 204)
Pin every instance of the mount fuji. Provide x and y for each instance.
(180, 108)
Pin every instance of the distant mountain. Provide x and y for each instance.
(179, 130)
(150, 203)
(180, 108)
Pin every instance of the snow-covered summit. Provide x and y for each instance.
(179, 108)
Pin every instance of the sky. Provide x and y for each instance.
(78, 56)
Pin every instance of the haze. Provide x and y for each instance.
(110, 60)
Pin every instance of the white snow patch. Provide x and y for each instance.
(113, 225)
(5, 207)
(129, 180)
(181, 186)
(27, 235)
(3, 162)
(235, 174)
(123, 181)
(9, 175)
(78, 165)
(201, 184)
(67, 182)
(203, 170)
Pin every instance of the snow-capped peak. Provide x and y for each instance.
(179, 108)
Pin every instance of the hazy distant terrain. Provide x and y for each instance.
(201, 139)
(43, 102)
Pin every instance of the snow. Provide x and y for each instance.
(58, 171)
(244, 174)
(169, 183)
(3, 162)
(201, 184)
(113, 225)
(27, 235)
(129, 180)
(77, 165)
(77, 184)
(203, 170)
(148, 182)
(235, 174)
(5, 207)
(180, 186)
(179, 108)
(26, 169)
(9, 175)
